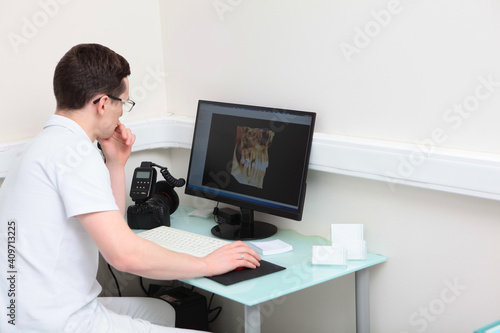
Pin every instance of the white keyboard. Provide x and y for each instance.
(183, 241)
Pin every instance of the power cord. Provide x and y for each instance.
(116, 281)
(218, 309)
(216, 212)
(142, 285)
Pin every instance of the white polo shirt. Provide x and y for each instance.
(59, 175)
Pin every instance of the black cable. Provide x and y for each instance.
(116, 281)
(210, 302)
(171, 180)
(219, 308)
(142, 285)
(216, 316)
(216, 212)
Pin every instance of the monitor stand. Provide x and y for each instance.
(247, 229)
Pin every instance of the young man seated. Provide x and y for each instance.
(65, 205)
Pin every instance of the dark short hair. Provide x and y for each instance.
(85, 71)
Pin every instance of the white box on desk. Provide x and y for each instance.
(356, 249)
(351, 237)
(342, 232)
(329, 255)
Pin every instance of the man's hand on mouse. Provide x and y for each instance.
(232, 256)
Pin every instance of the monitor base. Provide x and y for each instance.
(257, 230)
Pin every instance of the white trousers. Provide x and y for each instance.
(136, 314)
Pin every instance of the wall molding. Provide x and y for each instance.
(463, 172)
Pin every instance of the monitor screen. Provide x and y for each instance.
(252, 157)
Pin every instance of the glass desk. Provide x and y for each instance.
(492, 328)
(299, 273)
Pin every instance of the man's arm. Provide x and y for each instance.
(117, 150)
(127, 252)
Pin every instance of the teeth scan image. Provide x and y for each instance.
(250, 157)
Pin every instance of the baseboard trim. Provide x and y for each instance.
(455, 171)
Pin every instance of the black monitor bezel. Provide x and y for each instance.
(296, 213)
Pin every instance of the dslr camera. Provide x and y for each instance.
(154, 201)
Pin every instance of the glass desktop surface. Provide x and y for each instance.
(299, 273)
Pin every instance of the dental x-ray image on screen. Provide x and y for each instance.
(252, 157)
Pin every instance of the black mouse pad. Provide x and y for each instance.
(233, 277)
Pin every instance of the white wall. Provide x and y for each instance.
(36, 34)
(422, 75)
(400, 86)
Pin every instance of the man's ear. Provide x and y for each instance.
(101, 104)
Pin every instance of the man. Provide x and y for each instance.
(61, 204)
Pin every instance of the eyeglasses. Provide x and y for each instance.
(128, 105)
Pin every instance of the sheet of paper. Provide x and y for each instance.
(271, 247)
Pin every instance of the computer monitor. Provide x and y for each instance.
(252, 157)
